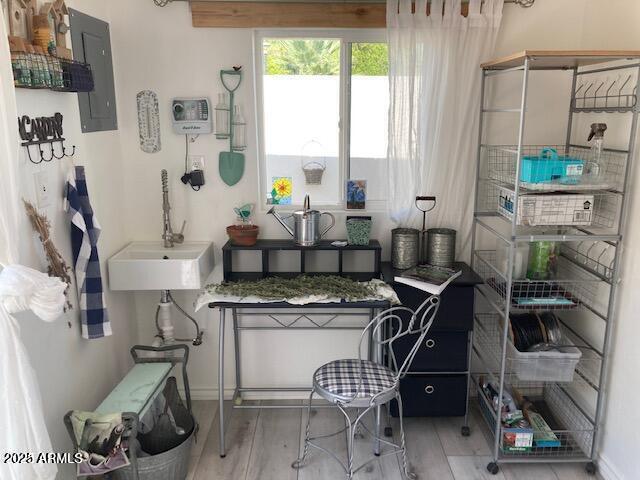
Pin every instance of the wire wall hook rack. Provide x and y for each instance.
(39, 131)
(608, 95)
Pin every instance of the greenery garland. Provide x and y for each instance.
(274, 288)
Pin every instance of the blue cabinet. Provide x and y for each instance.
(436, 384)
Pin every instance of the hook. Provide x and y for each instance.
(61, 150)
(73, 151)
(575, 95)
(599, 260)
(588, 252)
(621, 89)
(606, 94)
(42, 152)
(595, 93)
(578, 249)
(31, 159)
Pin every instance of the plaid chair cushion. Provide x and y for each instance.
(341, 378)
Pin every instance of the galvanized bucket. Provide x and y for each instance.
(441, 247)
(170, 465)
(404, 247)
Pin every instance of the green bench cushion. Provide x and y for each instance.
(137, 389)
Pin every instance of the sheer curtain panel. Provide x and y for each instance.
(434, 79)
(22, 426)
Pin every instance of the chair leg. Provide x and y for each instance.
(300, 461)
(351, 431)
(357, 429)
(405, 465)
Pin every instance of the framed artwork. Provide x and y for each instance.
(356, 194)
(281, 189)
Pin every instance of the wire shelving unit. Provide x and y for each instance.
(588, 259)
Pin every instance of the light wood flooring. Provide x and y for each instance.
(261, 444)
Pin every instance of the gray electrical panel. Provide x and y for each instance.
(91, 44)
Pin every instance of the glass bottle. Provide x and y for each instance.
(222, 116)
(595, 167)
(239, 130)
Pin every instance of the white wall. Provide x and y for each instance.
(156, 48)
(173, 59)
(74, 373)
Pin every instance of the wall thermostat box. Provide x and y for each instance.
(191, 116)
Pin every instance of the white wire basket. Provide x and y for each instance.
(572, 428)
(313, 162)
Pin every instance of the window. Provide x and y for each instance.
(322, 107)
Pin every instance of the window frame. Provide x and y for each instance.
(346, 38)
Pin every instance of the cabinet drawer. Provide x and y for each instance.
(440, 351)
(456, 305)
(432, 396)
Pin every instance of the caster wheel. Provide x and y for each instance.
(388, 432)
(493, 468)
(222, 456)
(465, 431)
(591, 468)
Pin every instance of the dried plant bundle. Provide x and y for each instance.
(57, 265)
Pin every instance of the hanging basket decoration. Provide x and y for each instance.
(313, 162)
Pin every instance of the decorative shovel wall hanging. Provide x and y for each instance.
(231, 163)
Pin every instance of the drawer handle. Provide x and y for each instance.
(429, 389)
(430, 343)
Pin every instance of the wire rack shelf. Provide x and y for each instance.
(528, 295)
(573, 429)
(499, 163)
(535, 370)
(553, 193)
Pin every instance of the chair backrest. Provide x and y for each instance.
(388, 326)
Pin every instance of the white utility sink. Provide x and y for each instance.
(151, 266)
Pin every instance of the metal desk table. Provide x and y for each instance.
(278, 322)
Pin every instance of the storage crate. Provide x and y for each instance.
(549, 166)
(545, 209)
(552, 366)
(571, 427)
(514, 440)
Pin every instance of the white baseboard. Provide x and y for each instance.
(606, 469)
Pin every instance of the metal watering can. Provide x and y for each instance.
(306, 224)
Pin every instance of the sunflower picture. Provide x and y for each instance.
(281, 188)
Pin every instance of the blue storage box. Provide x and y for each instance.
(549, 166)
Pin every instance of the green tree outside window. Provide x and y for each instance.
(322, 57)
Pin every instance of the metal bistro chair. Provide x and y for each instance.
(363, 385)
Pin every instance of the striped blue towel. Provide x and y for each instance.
(85, 231)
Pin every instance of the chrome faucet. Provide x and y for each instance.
(167, 233)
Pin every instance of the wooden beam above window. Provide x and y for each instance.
(288, 15)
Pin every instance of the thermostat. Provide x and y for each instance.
(191, 116)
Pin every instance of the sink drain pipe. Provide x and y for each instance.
(164, 325)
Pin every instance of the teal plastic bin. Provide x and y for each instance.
(549, 166)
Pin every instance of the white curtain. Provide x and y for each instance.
(22, 427)
(434, 77)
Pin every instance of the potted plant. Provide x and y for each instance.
(244, 232)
